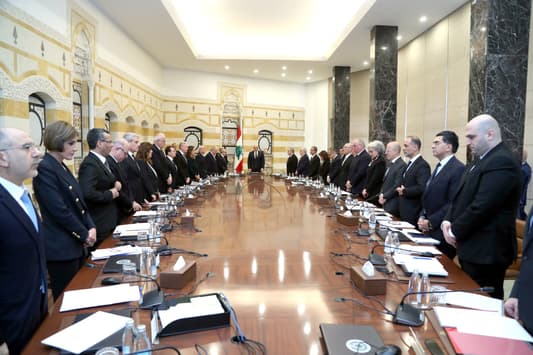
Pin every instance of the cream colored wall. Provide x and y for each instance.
(360, 105)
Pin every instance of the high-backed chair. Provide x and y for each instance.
(514, 269)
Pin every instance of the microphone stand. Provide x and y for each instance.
(377, 259)
(151, 298)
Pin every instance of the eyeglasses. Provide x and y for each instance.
(108, 141)
(28, 147)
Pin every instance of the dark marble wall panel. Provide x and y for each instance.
(383, 83)
(341, 105)
(499, 40)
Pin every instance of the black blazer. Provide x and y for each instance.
(160, 165)
(66, 220)
(314, 167)
(414, 180)
(125, 198)
(483, 210)
(222, 164)
(391, 181)
(95, 182)
(344, 170)
(133, 176)
(324, 171)
(302, 168)
(255, 165)
(292, 163)
(150, 182)
(22, 271)
(334, 168)
(210, 164)
(174, 172)
(439, 193)
(193, 168)
(183, 170)
(200, 162)
(374, 178)
(522, 287)
(357, 173)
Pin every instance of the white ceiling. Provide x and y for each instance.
(160, 28)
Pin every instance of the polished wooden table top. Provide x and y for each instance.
(269, 248)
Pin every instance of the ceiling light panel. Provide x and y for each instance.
(257, 29)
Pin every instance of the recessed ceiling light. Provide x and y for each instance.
(483, 29)
(399, 38)
(226, 67)
(423, 18)
(284, 67)
(310, 71)
(283, 74)
(256, 71)
(384, 48)
(365, 63)
(308, 78)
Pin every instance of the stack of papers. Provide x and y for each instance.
(82, 335)
(133, 229)
(99, 296)
(410, 263)
(397, 224)
(144, 213)
(198, 306)
(417, 249)
(475, 301)
(100, 254)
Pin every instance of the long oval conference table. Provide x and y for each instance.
(268, 246)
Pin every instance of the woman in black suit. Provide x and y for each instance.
(194, 173)
(67, 227)
(375, 172)
(323, 171)
(149, 178)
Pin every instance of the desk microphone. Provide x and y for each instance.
(152, 298)
(407, 314)
(166, 250)
(377, 259)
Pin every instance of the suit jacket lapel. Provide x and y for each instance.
(18, 212)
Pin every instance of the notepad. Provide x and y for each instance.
(99, 296)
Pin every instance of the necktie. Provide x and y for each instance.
(255, 155)
(435, 172)
(25, 198)
(407, 168)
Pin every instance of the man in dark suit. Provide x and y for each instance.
(222, 164)
(23, 298)
(160, 164)
(441, 188)
(314, 163)
(181, 162)
(335, 165)
(346, 161)
(388, 197)
(170, 154)
(126, 204)
(413, 182)
(526, 178)
(200, 161)
(99, 185)
(358, 168)
(292, 162)
(131, 169)
(519, 305)
(302, 168)
(480, 222)
(256, 160)
(211, 162)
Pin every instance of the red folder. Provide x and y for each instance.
(473, 344)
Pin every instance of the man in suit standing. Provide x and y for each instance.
(314, 163)
(222, 164)
(526, 178)
(302, 169)
(170, 154)
(346, 161)
(480, 222)
(388, 197)
(358, 168)
(160, 164)
(335, 165)
(98, 184)
(441, 188)
(131, 169)
(211, 162)
(23, 273)
(200, 161)
(256, 160)
(519, 305)
(126, 204)
(413, 182)
(181, 162)
(292, 162)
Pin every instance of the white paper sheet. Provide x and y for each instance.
(431, 266)
(199, 306)
(106, 253)
(99, 296)
(475, 301)
(82, 335)
(144, 213)
(132, 227)
(397, 224)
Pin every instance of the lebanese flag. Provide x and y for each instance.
(238, 152)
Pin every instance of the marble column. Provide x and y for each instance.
(499, 39)
(341, 106)
(383, 79)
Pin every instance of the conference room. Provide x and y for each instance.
(284, 257)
